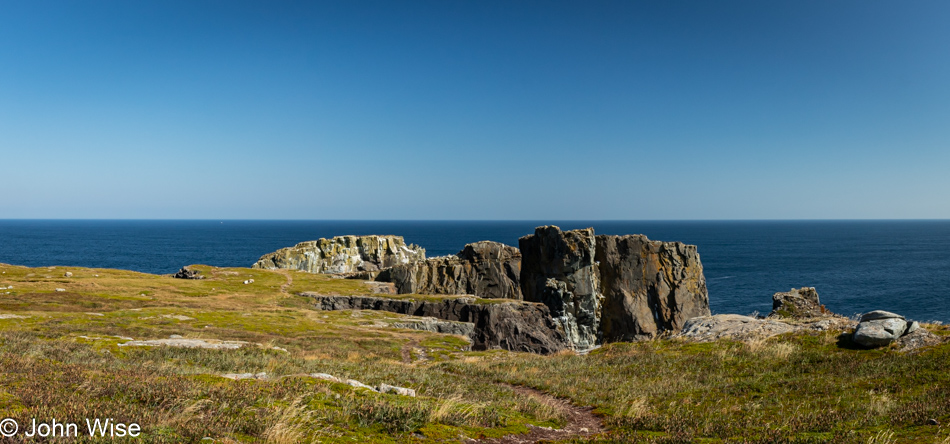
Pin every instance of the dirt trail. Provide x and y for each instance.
(290, 281)
(581, 421)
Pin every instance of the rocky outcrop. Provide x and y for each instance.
(879, 328)
(612, 288)
(797, 303)
(343, 254)
(648, 286)
(485, 269)
(916, 338)
(434, 325)
(732, 326)
(558, 270)
(188, 273)
(513, 325)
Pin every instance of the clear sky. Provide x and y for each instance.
(475, 110)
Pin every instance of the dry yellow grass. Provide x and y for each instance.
(62, 358)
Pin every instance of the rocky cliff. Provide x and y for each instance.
(612, 288)
(484, 269)
(648, 286)
(343, 254)
(558, 270)
(513, 325)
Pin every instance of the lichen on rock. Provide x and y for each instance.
(343, 254)
(649, 286)
(879, 328)
(612, 288)
(798, 303)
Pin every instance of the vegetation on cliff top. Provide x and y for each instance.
(60, 357)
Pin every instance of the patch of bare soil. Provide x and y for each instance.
(581, 421)
(413, 346)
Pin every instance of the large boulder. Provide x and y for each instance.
(558, 269)
(797, 303)
(648, 286)
(485, 269)
(343, 254)
(879, 328)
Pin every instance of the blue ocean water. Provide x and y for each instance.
(857, 266)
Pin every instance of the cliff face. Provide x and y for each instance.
(612, 288)
(558, 270)
(586, 289)
(485, 269)
(514, 325)
(649, 286)
(343, 254)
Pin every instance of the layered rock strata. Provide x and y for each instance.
(434, 325)
(485, 269)
(612, 288)
(513, 325)
(343, 254)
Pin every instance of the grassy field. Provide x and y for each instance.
(60, 357)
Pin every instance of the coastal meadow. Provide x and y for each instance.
(63, 356)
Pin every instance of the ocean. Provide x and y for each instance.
(856, 266)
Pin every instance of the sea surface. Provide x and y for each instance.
(856, 266)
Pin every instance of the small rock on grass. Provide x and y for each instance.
(239, 376)
(386, 388)
(358, 384)
(325, 377)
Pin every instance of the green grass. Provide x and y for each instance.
(64, 361)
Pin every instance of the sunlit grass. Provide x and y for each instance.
(62, 359)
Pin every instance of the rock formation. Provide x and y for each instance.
(879, 328)
(558, 270)
(435, 325)
(513, 325)
(343, 254)
(732, 326)
(187, 273)
(612, 288)
(585, 289)
(747, 328)
(917, 338)
(797, 303)
(485, 269)
(648, 286)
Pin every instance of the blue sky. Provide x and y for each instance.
(475, 110)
